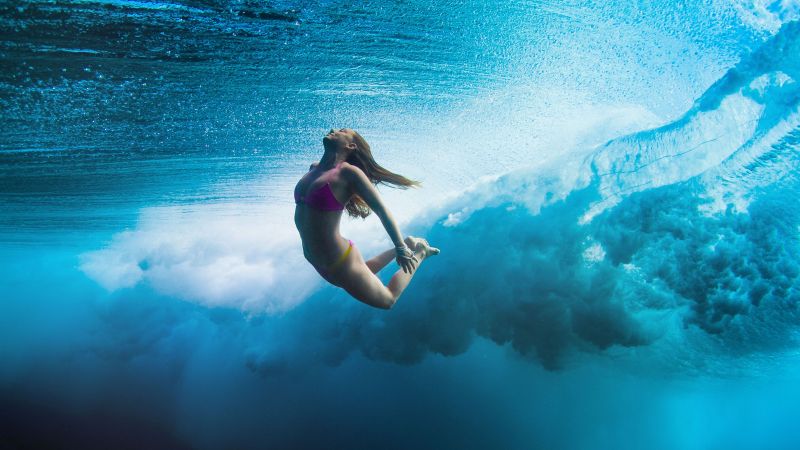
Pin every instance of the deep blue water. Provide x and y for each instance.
(613, 186)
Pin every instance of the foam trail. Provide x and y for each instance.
(209, 258)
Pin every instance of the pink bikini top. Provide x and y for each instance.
(321, 198)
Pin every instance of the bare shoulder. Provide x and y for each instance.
(351, 172)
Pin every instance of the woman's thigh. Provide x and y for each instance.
(355, 277)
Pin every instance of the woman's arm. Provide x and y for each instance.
(366, 190)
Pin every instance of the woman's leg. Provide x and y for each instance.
(360, 282)
(400, 279)
(379, 262)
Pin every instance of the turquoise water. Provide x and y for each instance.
(613, 187)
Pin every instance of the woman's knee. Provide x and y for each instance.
(379, 295)
(388, 300)
(367, 288)
(380, 298)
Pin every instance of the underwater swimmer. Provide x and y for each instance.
(347, 171)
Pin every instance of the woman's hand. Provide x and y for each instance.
(406, 258)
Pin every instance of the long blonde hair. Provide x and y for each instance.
(362, 158)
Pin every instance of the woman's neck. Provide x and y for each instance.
(330, 160)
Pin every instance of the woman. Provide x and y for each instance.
(348, 172)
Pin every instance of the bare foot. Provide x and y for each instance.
(421, 245)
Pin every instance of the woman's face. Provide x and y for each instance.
(336, 139)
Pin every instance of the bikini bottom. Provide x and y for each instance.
(325, 271)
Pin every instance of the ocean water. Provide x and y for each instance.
(613, 186)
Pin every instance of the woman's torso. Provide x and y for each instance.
(318, 222)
